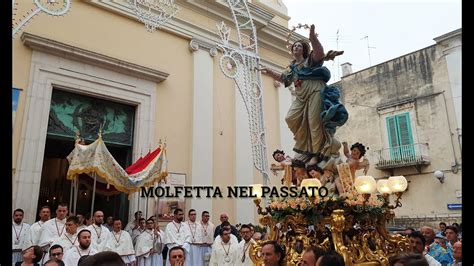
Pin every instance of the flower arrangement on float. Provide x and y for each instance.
(313, 209)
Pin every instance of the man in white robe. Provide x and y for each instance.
(21, 238)
(207, 229)
(99, 233)
(149, 246)
(195, 256)
(71, 256)
(225, 252)
(45, 215)
(133, 224)
(245, 246)
(138, 231)
(177, 233)
(69, 238)
(121, 242)
(226, 226)
(54, 228)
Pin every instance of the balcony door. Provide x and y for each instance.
(400, 137)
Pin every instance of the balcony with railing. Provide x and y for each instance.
(403, 156)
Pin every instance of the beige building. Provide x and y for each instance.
(408, 112)
(97, 66)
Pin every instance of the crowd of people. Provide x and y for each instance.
(71, 240)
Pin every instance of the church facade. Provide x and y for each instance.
(97, 67)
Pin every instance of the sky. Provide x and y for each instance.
(394, 27)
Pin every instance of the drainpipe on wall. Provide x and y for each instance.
(455, 164)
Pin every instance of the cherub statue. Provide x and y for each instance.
(284, 163)
(357, 153)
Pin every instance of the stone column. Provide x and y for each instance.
(203, 100)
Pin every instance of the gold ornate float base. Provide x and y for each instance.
(361, 241)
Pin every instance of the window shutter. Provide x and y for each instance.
(392, 131)
(404, 129)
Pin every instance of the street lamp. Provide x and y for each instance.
(384, 188)
(439, 175)
(365, 185)
(257, 191)
(397, 184)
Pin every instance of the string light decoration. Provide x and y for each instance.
(241, 64)
(51, 7)
(154, 13)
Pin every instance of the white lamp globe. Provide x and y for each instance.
(365, 184)
(397, 183)
(383, 187)
(311, 182)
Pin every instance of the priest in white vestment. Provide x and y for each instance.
(226, 226)
(54, 228)
(225, 252)
(99, 233)
(71, 256)
(45, 215)
(195, 256)
(69, 238)
(149, 246)
(207, 229)
(21, 238)
(121, 242)
(138, 231)
(245, 246)
(177, 233)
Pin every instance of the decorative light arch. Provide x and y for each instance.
(50, 7)
(241, 64)
(153, 13)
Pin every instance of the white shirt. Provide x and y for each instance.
(66, 241)
(71, 256)
(195, 231)
(244, 248)
(135, 233)
(224, 254)
(146, 241)
(233, 239)
(121, 243)
(176, 234)
(208, 232)
(21, 238)
(35, 232)
(99, 236)
(51, 230)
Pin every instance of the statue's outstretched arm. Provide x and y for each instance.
(318, 50)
